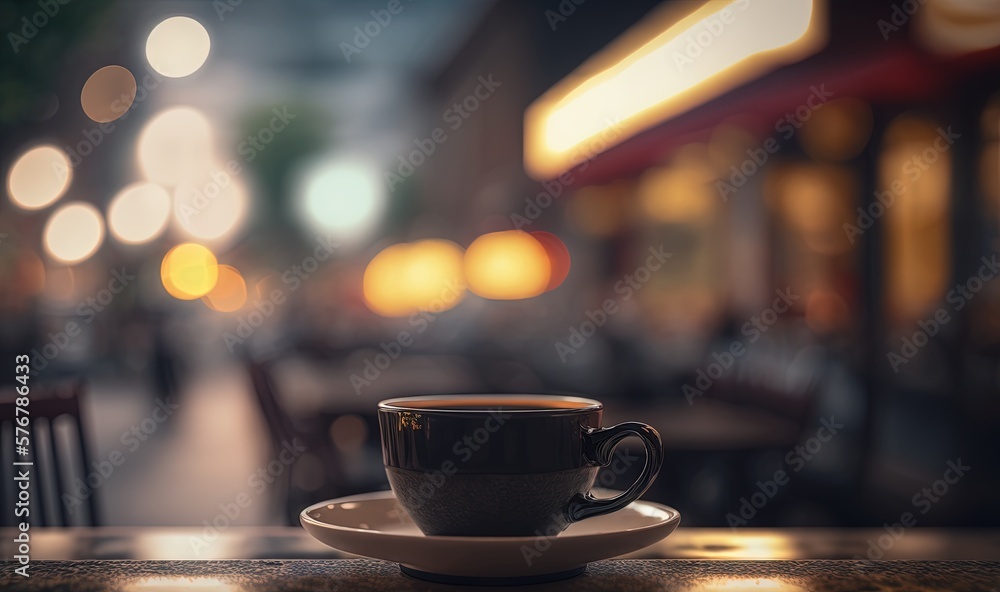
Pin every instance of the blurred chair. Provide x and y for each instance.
(322, 471)
(305, 391)
(55, 466)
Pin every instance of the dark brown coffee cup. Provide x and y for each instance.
(504, 465)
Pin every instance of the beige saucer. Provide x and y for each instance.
(375, 525)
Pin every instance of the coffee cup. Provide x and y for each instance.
(504, 465)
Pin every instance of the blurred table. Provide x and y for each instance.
(709, 426)
(363, 575)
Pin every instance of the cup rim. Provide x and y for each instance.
(400, 404)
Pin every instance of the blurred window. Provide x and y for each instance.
(913, 191)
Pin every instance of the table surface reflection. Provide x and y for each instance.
(264, 542)
(364, 575)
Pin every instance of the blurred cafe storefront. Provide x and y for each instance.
(830, 198)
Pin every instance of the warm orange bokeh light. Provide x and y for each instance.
(559, 259)
(229, 293)
(683, 193)
(600, 211)
(410, 277)
(383, 292)
(189, 271)
(507, 265)
(826, 311)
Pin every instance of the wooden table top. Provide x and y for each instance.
(158, 559)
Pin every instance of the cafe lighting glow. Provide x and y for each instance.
(27, 277)
(39, 177)
(176, 147)
(108, 94)
(382, 290)
(681, 194)
(344, 197)
(952, 27)
(175, 583)
(139, 213)
(559, 259)
(723, 584)
(74, 232)
(177, 46)
(189, 271)
(410, 277)
(600, 211)
(507, 265)
(213, 209)
(229, 293)
(661, 68)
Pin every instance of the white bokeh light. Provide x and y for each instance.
(341, 196)
(74, 232)
(176, 146)
(213, 209)
(139, 213)
(39, 177)
(178, 46)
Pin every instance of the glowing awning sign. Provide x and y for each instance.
(661, 68)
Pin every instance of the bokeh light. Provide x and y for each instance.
(433, 275)
(108, 94)
(175, 147)
(39, 177)
(600, 211)
(349, 432)
(816, 201)
(229, 293)
(406, 278)
(74, 232)
(682, 193)
(826, 311)
(837, 132)
(507, 265)
(344, 197)
(382, 283)
(213, 209)
(189, 271)
(559, 259)
(178, 46)
(139, 213)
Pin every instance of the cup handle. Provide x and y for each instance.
(599, 447)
